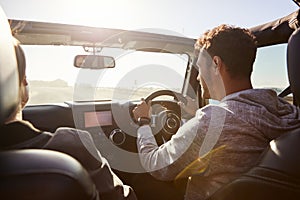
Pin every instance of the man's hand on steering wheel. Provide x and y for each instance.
(190, 107)
(167, 119)
(142, 110)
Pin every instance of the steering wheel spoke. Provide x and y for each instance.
(166, 115)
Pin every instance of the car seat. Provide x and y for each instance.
(33, 174)
(43, 174)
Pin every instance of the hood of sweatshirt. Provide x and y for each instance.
(264, 110)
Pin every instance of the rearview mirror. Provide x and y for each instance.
(94, 62)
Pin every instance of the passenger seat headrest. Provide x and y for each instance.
(9, 80)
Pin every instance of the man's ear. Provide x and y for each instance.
(217, 61)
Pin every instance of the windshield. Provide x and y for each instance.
(53, 78)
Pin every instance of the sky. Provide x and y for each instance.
(187, 17)
(181, 17)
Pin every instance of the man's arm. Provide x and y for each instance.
(166, 161)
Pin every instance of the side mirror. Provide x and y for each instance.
(94, 62)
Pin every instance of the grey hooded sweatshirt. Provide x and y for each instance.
(238, 129)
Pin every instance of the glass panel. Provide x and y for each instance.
(53, 78)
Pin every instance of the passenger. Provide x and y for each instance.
(240, 126)
(20, 134)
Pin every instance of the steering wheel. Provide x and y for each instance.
(177, 96)
(166, 118)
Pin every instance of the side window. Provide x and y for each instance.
(270, 69)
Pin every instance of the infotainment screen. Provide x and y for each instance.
(97, 118)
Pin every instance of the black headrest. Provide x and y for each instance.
(283, 154)
(9, 81)
(43, 174)
(293, 63)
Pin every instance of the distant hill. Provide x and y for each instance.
(277, 90)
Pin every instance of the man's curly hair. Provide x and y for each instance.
(235, 46)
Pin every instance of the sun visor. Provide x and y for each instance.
(278, 31)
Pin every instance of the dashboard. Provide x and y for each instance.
(107, 121)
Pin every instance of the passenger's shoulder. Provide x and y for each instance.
(67, 130)
(71, 132)
(72, 137)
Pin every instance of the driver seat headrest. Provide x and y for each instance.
(293, 64)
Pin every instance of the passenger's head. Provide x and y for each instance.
(24, 95)
(23, 85)
(233, 47)
(23, 91)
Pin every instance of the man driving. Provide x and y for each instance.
(227, 138)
